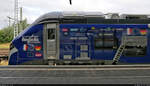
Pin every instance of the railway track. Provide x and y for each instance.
(4, 53)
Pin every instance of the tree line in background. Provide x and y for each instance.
(7, 33)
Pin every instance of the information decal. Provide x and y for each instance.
(31, 39)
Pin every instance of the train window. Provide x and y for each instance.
(134, 51)
(51, 34)
(108, 43)
(105, 41)
(135, 46)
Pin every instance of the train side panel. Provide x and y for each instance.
(84, 42)
(101, 42)
(29, 46)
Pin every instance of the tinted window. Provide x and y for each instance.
(51, 34)
(105, 41)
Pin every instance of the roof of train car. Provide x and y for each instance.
(69, 14)
(85, 17)
(92, 18)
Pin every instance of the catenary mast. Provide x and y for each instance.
(16, 28)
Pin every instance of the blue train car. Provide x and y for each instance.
(59, 38)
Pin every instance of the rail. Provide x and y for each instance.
(4, 53)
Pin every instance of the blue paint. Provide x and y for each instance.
(13, 59)
(22, 56)
(85, 30)
(71, 40)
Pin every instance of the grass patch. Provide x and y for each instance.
(4, 46)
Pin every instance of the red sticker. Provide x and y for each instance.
(64, 29)
(38, 54)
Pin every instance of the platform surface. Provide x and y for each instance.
(80, 74)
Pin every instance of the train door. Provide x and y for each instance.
(50, 34)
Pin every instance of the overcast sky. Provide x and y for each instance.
(32, 9)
